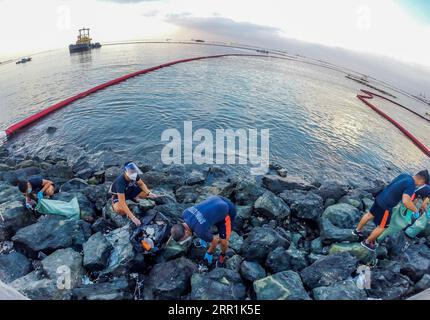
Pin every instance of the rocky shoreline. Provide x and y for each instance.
(292, 239)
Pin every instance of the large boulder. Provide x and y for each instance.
(218, 284)
(13, 216)
(285, 285)
(74, 185)
(344, 290)
(337, 223)
(272, 207)
(122, 256)
(37, 287)
(64, 261)
(174, 250)
(172, 211)
(252, 271)
(304, 205)
(278, 184)
(243, 191)
(282, 260)
(415, 261)
(13, 265)
(355, 249)
(332, 190)
(118, 220)
(170, 280)
(388, 285)
(115, 289)
(96, 252)
(329, 270)
(244, 214)
(261, 241)
(51, 233)
(236, 242)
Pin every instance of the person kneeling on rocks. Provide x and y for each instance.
(215, 211)
(129, 186)
(400, 189)
(34, 189)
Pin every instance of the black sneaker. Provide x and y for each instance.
(369, 246)
(359, 234)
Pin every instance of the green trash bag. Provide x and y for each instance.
(69, 210)
(401, 219)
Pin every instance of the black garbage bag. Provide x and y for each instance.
(149, 237)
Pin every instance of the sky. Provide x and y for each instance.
(388, 39)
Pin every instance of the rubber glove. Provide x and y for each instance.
(203, 243)
(416, 215)
(209, 258)
(40, 195)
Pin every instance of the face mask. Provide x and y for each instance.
(29, 190)
(132, 176)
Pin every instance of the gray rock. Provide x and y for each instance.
(195, 177)
(51, 233)
(96, 252)
(172, 211)
(122, 256)
(316, 246)
(415, 261)
(21, 174)
(115, 289)
(252, 271)
(13, 265)
(233, 263)
(35, 287)
(355, 249)
(13, 217)
(244, 213)
(174, 250)
(112, 173)
(423, 284)
(285, 285)
(282, 260)
(74, 185)
(235, 242)
(337, 223)
(63, 261)
(243, 191)
(218, 284)
(278, 184)
(332, 189)
(329, 270)
(118, 220)
(388, 285)
(170, 280)
(272, 206)
(345, 290)
(260, 242)
(304, 205)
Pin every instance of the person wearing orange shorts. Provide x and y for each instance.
(199, 219)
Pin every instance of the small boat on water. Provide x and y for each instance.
(24, 60)
(84, 42)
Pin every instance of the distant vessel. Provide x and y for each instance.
(84, 42)
(23, 60)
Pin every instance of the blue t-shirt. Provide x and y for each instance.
(393, 193)
(213, 211)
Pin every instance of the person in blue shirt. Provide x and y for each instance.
(34, 189)
(200, 218)
(402, 189)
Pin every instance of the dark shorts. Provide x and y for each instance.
(382, 216)
(130, 194)
(225, 227)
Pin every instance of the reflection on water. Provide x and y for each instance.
(318, 127)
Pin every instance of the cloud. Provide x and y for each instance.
(128, 1)
(150, 14)
(222, 28)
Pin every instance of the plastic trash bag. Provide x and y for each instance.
(69, 210)
(401, 220)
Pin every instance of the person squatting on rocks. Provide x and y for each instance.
(215, 211)
(402, 189)
(34, 189)
(129, 186)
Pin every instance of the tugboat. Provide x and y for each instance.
(84, 42)
(23, 60)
